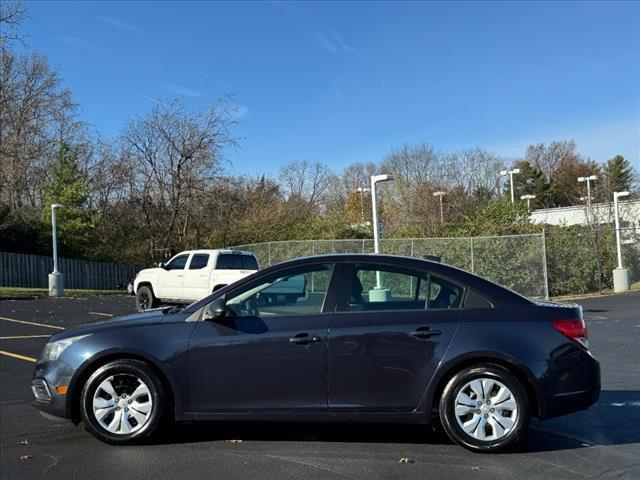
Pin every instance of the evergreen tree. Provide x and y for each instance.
(68, 185)
(619, 174)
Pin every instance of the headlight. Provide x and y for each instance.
(53, 350)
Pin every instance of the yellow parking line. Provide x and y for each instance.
(19, 337)
(31, 323)
(100, 313)
(19, 357)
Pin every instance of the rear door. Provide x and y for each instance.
(233, 266)
(196, 277)
(171, 280)
(384, 342)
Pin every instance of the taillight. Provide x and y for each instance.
(574, 328)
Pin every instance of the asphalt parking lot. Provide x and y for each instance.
(603, 442)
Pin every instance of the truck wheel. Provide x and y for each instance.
(145, 299)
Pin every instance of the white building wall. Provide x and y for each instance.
(601, 213)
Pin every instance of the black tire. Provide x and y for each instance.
(122, 372)
(145, 299)
(448, 404)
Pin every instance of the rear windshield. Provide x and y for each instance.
(236, 261)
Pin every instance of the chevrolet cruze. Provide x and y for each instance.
(368, 338)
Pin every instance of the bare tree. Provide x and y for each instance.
(12, 12)
(549, 158)
(174, 154)
(306, 181)
(37, 115)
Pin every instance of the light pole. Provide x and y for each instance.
(620, 274)
(56, 279)
(588, 180)
(440, 194)
(361, 190)
(378, 294)
(511, 173)
(528, 198)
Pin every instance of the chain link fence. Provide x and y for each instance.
(582, 259)
(515, 261)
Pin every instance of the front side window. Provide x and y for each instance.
(297, 291)
(178, 263)
(199, 261)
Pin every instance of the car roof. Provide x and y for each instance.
(217, 250)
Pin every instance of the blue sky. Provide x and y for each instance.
(345, 82)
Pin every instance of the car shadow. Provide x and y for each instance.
(614, 420)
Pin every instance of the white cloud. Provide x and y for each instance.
(333, 43)
(179, 90)
(117, 23)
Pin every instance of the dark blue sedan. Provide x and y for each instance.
(371, 338)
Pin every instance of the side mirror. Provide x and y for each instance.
(161, 265)
(216, 310)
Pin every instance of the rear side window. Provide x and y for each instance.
(199, 261)
(236, 261)
(443, 294)
(474, 300)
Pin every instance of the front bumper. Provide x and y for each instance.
(47, 377)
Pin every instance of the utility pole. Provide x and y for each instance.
(440, 194)
(510, 173)
(528, 198)
(361, 190)
(56, 279)
(620, 274)
(377, 294)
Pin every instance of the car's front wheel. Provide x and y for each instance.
(122, 402)
(484, 408)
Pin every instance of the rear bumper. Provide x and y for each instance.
(568, 383)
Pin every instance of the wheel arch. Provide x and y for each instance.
(145, 283)
(86, 370)
(453, 366)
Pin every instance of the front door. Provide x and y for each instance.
(384, 343)
(268, 354)
(196, 277)
(171, 280)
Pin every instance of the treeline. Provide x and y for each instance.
(162, 184)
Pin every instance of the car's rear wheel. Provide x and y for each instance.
(122, 402)
(484, 408)
(145, 299)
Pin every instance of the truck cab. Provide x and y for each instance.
(191, 275)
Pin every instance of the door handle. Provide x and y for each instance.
(303, 339)
(425, 332)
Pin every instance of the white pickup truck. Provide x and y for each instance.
(190, 276)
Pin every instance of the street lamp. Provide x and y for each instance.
(440, 194)
(528, 198)
(511, 173)
(361, 190)
(56, 279)
(588, 180)
(620, 274)
(378, 294)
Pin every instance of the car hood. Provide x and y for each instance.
(150, 271)
(149, 317)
